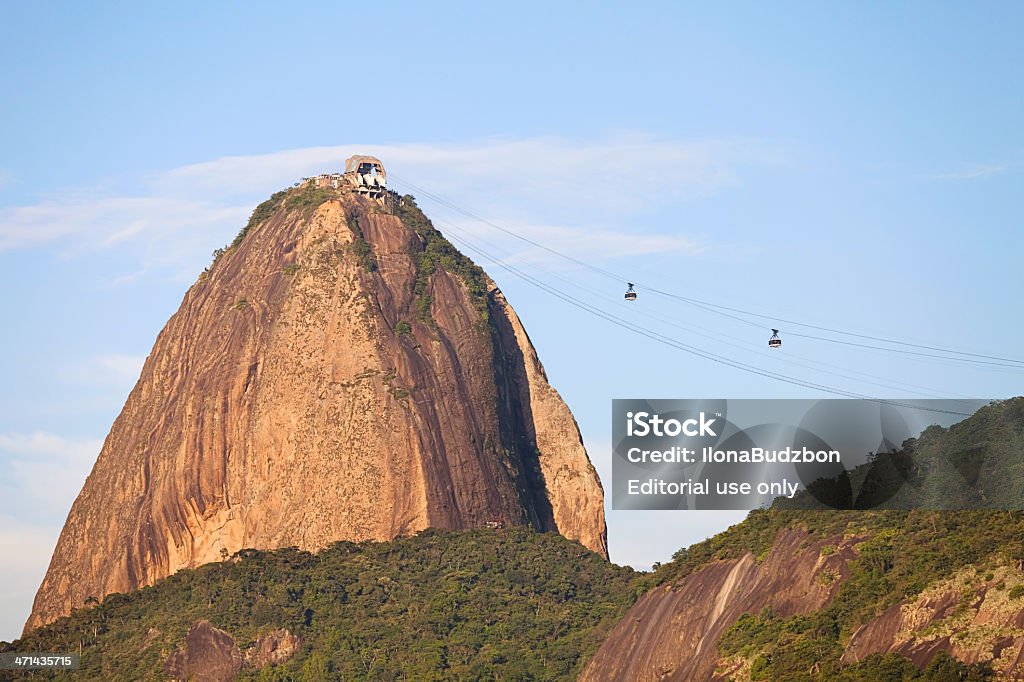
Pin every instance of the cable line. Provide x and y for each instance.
(708, 306)
(693, 350)
(466, 238)
(712, 307)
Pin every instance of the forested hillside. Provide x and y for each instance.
(480, 604)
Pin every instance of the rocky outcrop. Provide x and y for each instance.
(208, 655)
(331, 378)
(672, 632)
(272, 648)
(977, 616)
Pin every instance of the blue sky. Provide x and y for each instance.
(857, 166)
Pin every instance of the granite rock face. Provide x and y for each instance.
(207, 655)
(972, 615)
(672, 632)
(273, 648)
(327, 379)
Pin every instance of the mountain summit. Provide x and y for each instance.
(341, 372)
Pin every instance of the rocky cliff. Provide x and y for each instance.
(340, 372)
(812, 607)
(673, 633)
(976, 615)
(804, 594)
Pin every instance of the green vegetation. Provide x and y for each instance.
(364, 255)
(403, 328)
(514, 604)
(241, 304)
(261, 214)
(308, 198)
(482, 604)
(901, 553)
(905, 552)
(438, 251)
(305, 198)
(975, 464)
(786, 649)
(360, 247)
(894, 668)
(290, 269)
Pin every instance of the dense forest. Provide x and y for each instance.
(518, 605)
(905, 551)
(480, 604)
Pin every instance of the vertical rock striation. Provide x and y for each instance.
(340, 373)
(672, 632)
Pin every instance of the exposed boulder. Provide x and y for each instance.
(208, 655)
(273, 648)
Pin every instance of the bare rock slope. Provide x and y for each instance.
(208, 655)
(341, 372)
(976, 615)
(672, 633)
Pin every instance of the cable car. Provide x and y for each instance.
(630, 294)
(775, 341)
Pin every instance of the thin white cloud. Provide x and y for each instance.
(253, 173)
(128, 277)
(23, 548)
(43, 473)
(187, 211)
(44, 444)
(84, 223)
(626, 168)
(974, 171)
(116, 372)
(120, 367)
(24, 555)
(587, 243)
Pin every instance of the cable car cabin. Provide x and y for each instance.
(775, 341)
(630, 294)
(366, 174)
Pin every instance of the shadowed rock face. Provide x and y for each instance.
(208, 655)
(672, 633)
(298, 398)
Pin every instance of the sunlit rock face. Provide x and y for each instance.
(334, 376)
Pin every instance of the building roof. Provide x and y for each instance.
(353, 163)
